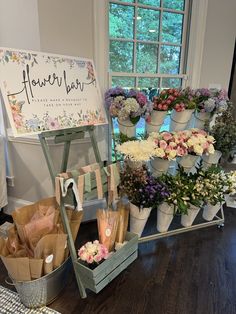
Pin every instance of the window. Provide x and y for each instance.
(147, 45)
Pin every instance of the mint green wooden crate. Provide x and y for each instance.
(96, 279)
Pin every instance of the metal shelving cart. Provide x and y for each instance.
(68, 135)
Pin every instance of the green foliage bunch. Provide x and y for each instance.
(211, 184)
(183, 192)
(224, 131)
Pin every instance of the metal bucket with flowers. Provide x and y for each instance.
(127, 107)
(183, 108)
(159, 108)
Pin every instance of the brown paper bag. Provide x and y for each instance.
(123, 212)
(107, 227)
(22, 216)
(18, 268)
(74, 219)
(13, 242)
(52, 244)
(48, 264)
(3, 247)
(36, 268)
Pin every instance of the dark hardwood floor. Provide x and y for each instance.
(191, 273)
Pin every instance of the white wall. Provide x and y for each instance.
(218, 43)
(66, 27)
(57, 26)
(19, 24)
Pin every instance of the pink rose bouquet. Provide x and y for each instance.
(178, 144)
(93, 252)
(200, 143)
(166, 146)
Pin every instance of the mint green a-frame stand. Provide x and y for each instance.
(66, 136)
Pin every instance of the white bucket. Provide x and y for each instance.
(127, 128)
(187, 220)
(134, 164)
(188, 162)
(157, 119)
(159, 166)
(138, 218)
(210, 211)
(179, 120)
(165, 214)
(211, 159)
(200, 119)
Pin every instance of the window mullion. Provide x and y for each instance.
(135, 39)
(160, 39)
(183, 42)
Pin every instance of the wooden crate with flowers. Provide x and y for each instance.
(97, 263)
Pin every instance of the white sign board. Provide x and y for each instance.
(45, 92)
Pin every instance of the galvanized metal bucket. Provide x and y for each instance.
(43, 291)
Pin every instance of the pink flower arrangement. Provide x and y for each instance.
(166, 99)
(178, 144)
(93, 252)
(197, 141)
(200, 143)
(166, 147)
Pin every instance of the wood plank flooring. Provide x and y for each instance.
(191, 273)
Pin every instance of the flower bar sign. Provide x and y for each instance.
(45, 92)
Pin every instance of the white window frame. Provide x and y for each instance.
(195, 46)
(182, 45)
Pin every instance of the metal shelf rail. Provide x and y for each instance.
(218, 220)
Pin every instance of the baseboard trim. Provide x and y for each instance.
(14, 203)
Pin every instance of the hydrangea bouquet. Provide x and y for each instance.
(210, 100)
(124, 104)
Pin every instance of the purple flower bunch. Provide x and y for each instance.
(139, 96)
(153, 192)
(124, 104)
(142, 189)
(211, 100)
(112, 93)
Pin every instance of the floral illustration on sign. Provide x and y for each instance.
(18, 57)
(91, 74)
(47, 122)
(23, 58)
(16, 107)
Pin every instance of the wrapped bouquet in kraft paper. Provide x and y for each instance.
(37, 244)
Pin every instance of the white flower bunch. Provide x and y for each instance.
(137, 150)
(211, 185)
(232, 182)
(93, 252)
